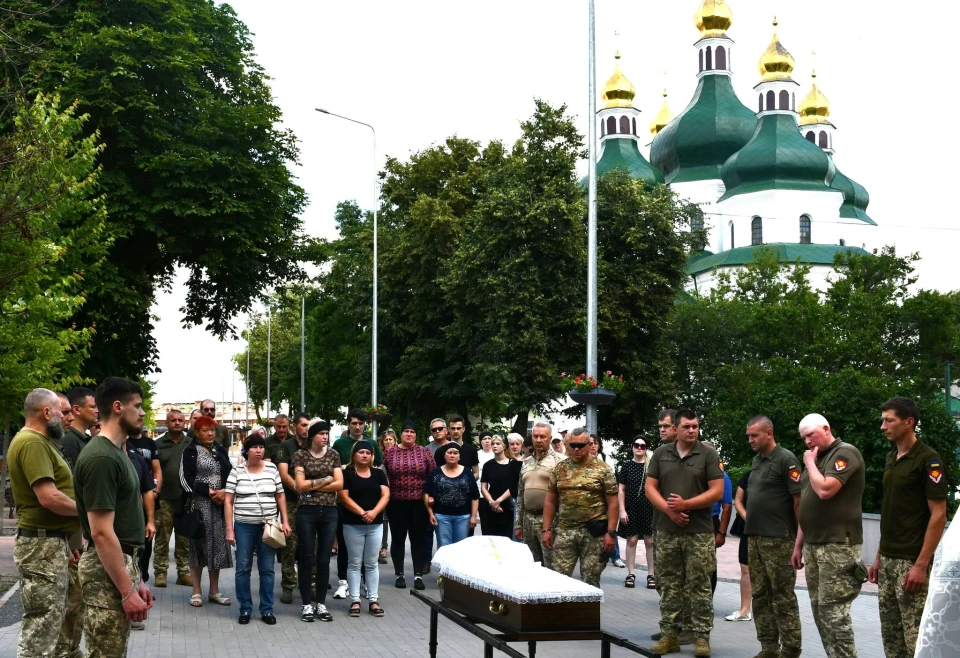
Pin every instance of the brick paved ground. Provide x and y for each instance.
(176, 630)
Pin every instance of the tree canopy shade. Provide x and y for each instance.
(194, 169)
(766, 343)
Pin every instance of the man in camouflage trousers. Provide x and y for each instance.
(288, 580)
(170, 448)
(535, 477)
(688, 473)
(912, 518)
(584, 491)
(43, 492)
(770, 530)
(829, 541)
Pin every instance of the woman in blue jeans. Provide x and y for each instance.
(254, 494)
(317, 472)
(364, 496)
(451, 496)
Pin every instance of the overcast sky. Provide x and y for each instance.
(423, 70)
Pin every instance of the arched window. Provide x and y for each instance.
(760, 99)
(823, 139)
(811, 136)
(721, 58)
(701, 61)
(696, 226)
(624, 125)
(611, 125)
(784, 99)
(756, 231)
(771, 100)
(843, 243)
(634, 127)
(733, 243)
(804, 229)
(709, 58)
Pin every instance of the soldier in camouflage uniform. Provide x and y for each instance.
(829, 541)
(535, 477)
(770, 530)
(288, 578)
(683, 481)
(583, 497)
(912, 518)
(43, 492)
(170, 448)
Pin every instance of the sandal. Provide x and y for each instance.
(219, 599)
(375, 609)
(354, 609)
(651, 582)
(630, 581)
(196, 600)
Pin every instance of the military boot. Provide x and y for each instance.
(667, 644)
(184, 579)
(159, 579)
(702, 648)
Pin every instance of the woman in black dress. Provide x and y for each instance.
(499, 481)
(636, 512)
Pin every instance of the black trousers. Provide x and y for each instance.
(407, 517)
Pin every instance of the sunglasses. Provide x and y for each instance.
(640, 445)
(579, 446)
(205, 410)
(437, 429)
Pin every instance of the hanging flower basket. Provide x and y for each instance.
(377, 412)
(381, 418)
(585, 389)
(599, 396)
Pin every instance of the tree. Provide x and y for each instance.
(195, 168)
(765, 342)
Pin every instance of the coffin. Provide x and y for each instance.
(495, 581)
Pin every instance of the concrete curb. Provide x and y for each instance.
(9, 593)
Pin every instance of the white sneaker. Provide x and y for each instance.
(736, 616)
(341, 592)
(618, 563)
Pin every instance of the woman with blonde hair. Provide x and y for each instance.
(499, 482)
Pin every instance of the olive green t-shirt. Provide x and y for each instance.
(773, 482)
(32, 458)
(838, 519)
(107, 480)
(74, 441)
(284, 455)
(272, 448)
(687, 477)
(344, 448)
(582, 490)
(170, 455)
(908, 483)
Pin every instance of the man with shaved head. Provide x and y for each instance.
(208, 408)
(829, 541)
(170, 447)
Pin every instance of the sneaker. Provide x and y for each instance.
(160, 579)
(667, 644)
(418, 583)
(320, 612)
(137, 626)
(287, 596)
(736, 616)
(618, 563)
(341, 592)
(306, 613)
(684, 638)
(702, 648)
(401, 583)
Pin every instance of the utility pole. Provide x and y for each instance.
(592, 217)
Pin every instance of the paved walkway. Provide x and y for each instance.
(175, 629)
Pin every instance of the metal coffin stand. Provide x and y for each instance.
(469, 617)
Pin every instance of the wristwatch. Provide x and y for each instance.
(722, 534)
(612, 533)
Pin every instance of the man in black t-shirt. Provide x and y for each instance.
(139, 444)
(468, 454)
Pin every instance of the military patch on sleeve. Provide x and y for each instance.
(794, 472)
(935, 472)
(840, 465)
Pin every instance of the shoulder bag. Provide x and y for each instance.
(272, 528)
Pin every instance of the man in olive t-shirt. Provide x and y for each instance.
(912, 518)
(830, 537)
(770, 531)
(170, 448)
(683, 481)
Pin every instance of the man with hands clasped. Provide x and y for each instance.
(683, 481)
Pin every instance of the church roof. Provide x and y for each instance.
(855, 198)
(811, 254)
(623, 152)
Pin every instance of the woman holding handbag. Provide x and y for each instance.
(254, 499)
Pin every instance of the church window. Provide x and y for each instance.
(811, 136)
(721, 59)
(771, 100)
(634, 126)
(784, 100)
(843, 243)
(733, 243)
(696, 226)
(624, 125)
(823, 139)
(804, 229)
(756, 231)
(709, 58)
(611, 125)
(761, 102)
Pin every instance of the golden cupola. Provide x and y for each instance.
(815, 108)
(618, 92)
(713, 19)
(776, 63)
(664, 117)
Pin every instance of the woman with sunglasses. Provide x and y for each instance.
(636, 512)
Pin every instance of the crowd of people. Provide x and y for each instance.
(95, 497)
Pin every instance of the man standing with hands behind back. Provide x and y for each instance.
(912, 517)
(684, 480)
(109, 506)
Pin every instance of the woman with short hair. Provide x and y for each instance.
(451, 496)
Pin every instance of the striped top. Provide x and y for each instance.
(245, 488)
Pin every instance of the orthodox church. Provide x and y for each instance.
(764, 177)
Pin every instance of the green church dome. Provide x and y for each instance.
(624, 153)
(855, 198)
(778, 157)
(714, 126)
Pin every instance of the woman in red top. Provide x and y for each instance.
(408, 467)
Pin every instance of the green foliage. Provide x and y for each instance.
(765, 343)
(195, 168)
(52, 241)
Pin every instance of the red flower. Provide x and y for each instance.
(594, 384)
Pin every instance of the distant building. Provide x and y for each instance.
(229, 414)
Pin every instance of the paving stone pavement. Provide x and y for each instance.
(174, 629)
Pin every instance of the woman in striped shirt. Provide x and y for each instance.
(254, 495)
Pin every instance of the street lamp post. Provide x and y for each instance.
(592, 219)
(303, 351)
(373, 364)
